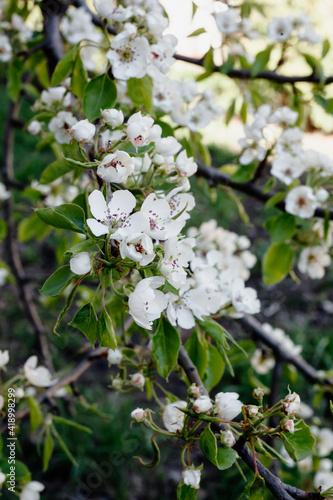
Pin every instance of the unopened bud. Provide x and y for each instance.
(291, 404)
(193, 391)
(138, 415)
(288, 426)
(117, 384)
(202, 404)
(228, 439)
(251, 410)
(258, 393)
(138, 380)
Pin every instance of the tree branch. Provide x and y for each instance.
(215, 177)
(273, 483)
(245, 74)
(15, 264)
(252, 325)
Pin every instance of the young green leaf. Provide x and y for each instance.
(277, 263)
(36, 417)
(47, 449)
(208, 444)
(57, 282)
(100, 93)
(64, 67)
(226, 457)
(141, 92)
(85, 320)
(166, 344)
(67, 216)
(300, 444)
(105, 330)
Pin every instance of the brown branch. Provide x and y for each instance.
(280, 490)
(15, 264)
(245, 74)
(215, 177)
(253, 325)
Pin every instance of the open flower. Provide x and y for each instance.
(191, 477)
(129, 58)
(138, 247)
(116, 167)
(141, 130)
(227, 405)
(38, 376)
(4, 358)
(244, 299)
(83, 131)
(173, 418)
(146, 303)
(114, 218)
(60, 125)
(301, 201)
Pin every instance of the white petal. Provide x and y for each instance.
(97, 228)
(97, 205)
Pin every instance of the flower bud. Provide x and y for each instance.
(288, 426)
(202, 404)
(193, 391)
(80, 263)
(252, 410)
(322, 195)
(258, 393)
(191, 477)
(83, 131)
(138, 380)
(117, 384)
(291, 404)
(112, 117)
(228, 439)
(138, 415)
(34, 127)
(158, 159)
(114, 356)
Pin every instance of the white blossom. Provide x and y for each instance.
(4, 358)
(113, 117)
(138, 415)
(146, 303)
(80, 264)
(244, 299)
(313, 260)
(301, 201)
(116, 167)
(173, 418)
(34, 127)
(60, 125)
(114, 356)
(191, 477)
(228, 21)
(83, 131)
(138, 247)
(53, 95)
(31, 491)
(227, 405)
(129, 58)
(138, 380)
(228, 439)
(291, 404)
(202, 404)
(37, 376)
(287, 167)
(4, 194)
(280, 29)
(6, 51)
(141, 130)
(324, 477)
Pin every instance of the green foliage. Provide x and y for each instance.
(85, 320)
(300, 444)
(140, 91)
(261, 61)
(166, 343)
(64, 67)
(68, 216)
(185, 492)
(105, 330)
(277, 263)
(58, 282)
(100, 93)
(281, 228)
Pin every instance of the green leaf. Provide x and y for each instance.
(71, 423)
(230, 111)
(277, 263)
(326, 48)
(67, 216)
(261, 61)
(63, 445)
(327, 493)
(311, 61)
(105, 330)
(64, 67)
(300, 444)
(36, 417)
(3, 229)
(22, 472)
(226, 457)
(31, 227)
(166, 344)
(141, 92)
(14, 78)
(274, 200)
(47, 449)
(227, 66)
(245, 172)
(185, 492)
(214, 368)
(156, 458)
(218, 334)
(57, 282)
(197, 32)
(167, 130)
(100, 93)
(85, 320)
(55, 170)
(281, 228)
(208, 444)
(82, 246)
(254, 490)
(197, 348)
(79, 78)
